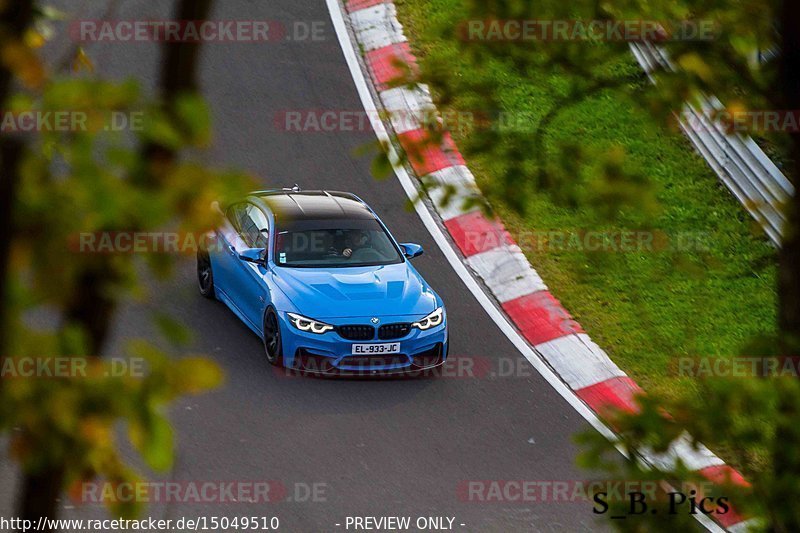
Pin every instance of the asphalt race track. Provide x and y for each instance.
(377, 448)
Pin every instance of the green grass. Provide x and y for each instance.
(645, 309)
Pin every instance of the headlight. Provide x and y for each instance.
(430, 321)
(306, 324)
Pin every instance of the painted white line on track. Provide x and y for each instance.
(408, 184)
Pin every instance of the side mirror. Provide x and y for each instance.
(411, 250)
(254, 255)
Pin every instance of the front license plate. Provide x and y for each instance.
(370, 349)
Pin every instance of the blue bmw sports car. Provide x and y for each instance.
(320, 279)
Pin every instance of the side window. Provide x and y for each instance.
(255, 227)
(236, 214)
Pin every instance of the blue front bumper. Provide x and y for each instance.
(332, 354)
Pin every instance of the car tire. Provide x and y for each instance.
(205, 274)
(273, 345)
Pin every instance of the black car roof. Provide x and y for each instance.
(315, 205)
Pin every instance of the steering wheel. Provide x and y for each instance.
(366, 255)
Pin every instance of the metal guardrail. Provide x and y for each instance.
(738, 161)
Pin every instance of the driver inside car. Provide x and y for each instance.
(354, 241)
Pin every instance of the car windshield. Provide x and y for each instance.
(334, 243)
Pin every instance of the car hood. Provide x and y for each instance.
(356, 292)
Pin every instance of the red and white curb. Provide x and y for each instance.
(489, 250)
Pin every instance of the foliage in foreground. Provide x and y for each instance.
(754, 420)
(93, 179)
(708, 253)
